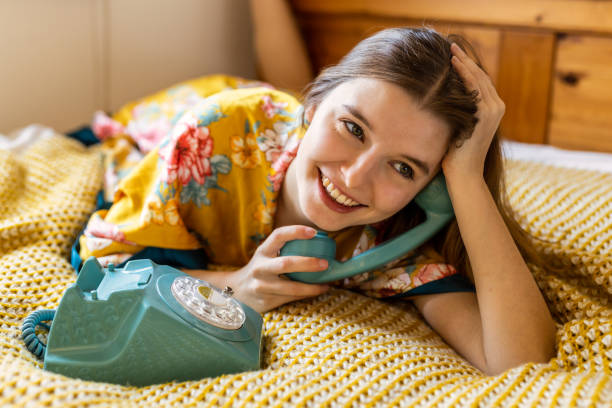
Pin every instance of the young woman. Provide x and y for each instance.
(238, 173)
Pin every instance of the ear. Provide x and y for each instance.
(309, 113)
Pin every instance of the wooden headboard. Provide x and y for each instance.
(551, 60)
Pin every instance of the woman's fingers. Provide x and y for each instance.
(468, 77)
(470, 64)
(271, 263)
(261, 284)
(280, 236)
(474, 77)
(286, 264)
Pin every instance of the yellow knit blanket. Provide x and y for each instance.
(340, 349)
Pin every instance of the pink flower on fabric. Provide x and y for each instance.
(431, 272)
(148, 133)
(280, 167)
(271, 108)
(273, 141)
(104, 127)
(187, 155)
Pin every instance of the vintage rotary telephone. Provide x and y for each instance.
(435, 202)
(145, 324)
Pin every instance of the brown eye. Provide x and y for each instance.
(354, 129)
(404, 170)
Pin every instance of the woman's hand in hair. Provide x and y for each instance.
(468, 157)
(508, 322)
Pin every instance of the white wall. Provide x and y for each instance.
(60, 60)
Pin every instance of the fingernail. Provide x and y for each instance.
(323, 263)
(311, 231)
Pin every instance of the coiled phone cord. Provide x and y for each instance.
(28, 331)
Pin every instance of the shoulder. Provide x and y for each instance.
(181, 97)
(257, 105)
(262, 100)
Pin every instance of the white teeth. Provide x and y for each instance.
(335, 193)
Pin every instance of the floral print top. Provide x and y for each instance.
(200, 166)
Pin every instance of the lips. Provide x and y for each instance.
(333, 198)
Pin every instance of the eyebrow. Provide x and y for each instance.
(419, 163)
(355, 112)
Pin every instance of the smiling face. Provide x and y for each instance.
(368, 151)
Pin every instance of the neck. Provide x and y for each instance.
(287, 209)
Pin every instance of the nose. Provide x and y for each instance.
(358, 171)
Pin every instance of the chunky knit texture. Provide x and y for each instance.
(340, 349)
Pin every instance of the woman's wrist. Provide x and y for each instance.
(220, 279)
(464, 181)
(461, 167)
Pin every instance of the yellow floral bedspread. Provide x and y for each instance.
(340, 349)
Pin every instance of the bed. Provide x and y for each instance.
(339, 349)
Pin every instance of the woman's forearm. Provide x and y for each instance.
(516, 323)
(281, 54)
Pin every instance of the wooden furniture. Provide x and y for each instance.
(551, 60)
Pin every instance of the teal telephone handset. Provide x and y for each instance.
(145, 324)
(435, 202)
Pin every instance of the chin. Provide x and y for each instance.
(327, 224)
(329, 227)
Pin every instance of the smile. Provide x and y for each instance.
(335, 194)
